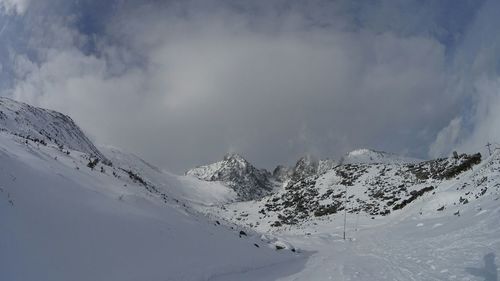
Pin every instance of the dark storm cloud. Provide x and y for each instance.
(183, 82)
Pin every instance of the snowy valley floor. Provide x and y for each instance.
(409, 247)
(446, 248)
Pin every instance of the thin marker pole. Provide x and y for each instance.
(345, 209)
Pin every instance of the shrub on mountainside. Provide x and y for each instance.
(470, 160)
(92, 163)
(414, 195)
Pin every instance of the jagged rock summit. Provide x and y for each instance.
(282, 173)
(237, 173)
(45, 126)
(306, 166)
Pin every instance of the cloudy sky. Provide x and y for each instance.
(183, 82)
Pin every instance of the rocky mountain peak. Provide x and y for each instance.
(236, 159)
(305, 166)
(281, 173)
(237, 173)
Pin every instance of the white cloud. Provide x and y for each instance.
(212, 84)
(446, 139)
(477, 77)
(481, 128)
(486, 117)
(269, 80)
(15, 6)
(182, 85)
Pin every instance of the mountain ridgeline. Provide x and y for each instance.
(372, 182)
(45, 126)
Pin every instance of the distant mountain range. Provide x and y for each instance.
(373, 182)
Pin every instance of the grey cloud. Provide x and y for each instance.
(182, 84)
(14, 6)
(446, 138)
(476, 77)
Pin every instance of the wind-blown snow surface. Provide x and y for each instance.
(60, 220)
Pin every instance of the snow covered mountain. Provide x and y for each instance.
(405, 219)
(366, 181)
(44, 126)
(63, 219)
(430, 220)
(238, 174)
(375, 189)
(369, 156)
(65, 216)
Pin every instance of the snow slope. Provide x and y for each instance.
(369, 156)
(60, 220)
(44, 125)
(185, 189)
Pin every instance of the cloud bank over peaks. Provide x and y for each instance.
(182, 83)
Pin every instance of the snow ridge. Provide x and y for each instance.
(44, 125)
(370, 156)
